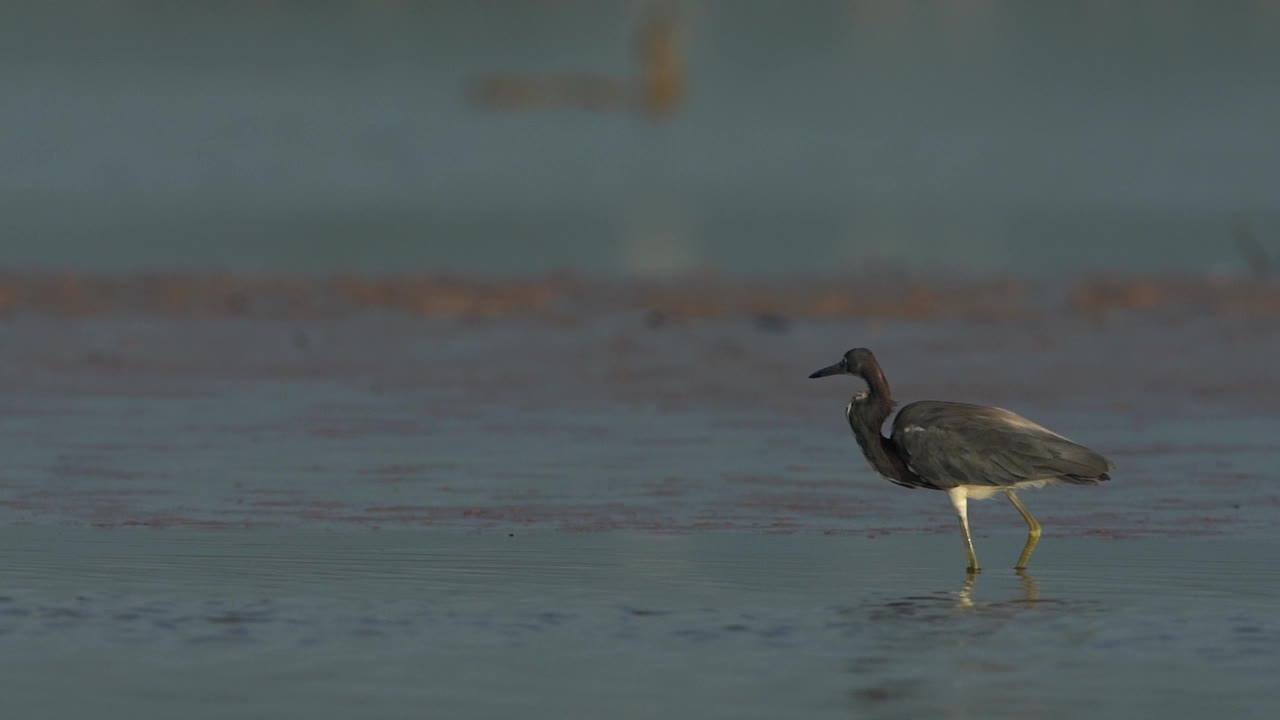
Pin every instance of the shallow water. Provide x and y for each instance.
(599, 423)
(549, 624)
(582, 514)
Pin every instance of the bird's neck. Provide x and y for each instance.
(878, 449)
(866, 416)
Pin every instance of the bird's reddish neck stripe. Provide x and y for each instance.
(879, 389)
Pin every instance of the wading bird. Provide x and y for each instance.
(970, 451)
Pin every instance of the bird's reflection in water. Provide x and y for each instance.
(1030, 590)
(965, 596)
(1030, 587)
(939, 605)
(915, 639)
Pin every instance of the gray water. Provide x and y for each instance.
(982, 136)
(586, 517)
(546, 624)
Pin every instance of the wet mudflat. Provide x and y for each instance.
(624, 501)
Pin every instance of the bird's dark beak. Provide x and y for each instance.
(837, 369)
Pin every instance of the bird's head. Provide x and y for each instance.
(858, 361)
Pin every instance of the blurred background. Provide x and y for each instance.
(454, 356)
(639, 137)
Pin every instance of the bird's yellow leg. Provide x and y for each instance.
(960, 499)
(1033, 530)
(968, 545)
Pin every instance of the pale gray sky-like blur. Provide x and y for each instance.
(515, 136)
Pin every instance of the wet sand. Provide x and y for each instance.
(563, 492)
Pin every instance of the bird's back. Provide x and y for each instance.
(950, 444)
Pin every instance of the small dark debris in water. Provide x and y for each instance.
(890, 690)
(232, 618)
(873, 694)
(770, 322)
(642, 612)
(511, 534)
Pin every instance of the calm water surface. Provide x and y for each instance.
(586, 516)
(547, 624)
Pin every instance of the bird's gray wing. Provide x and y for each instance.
(952, 444)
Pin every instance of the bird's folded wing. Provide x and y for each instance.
(973, 445)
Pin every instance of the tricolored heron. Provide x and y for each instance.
(970, 451)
